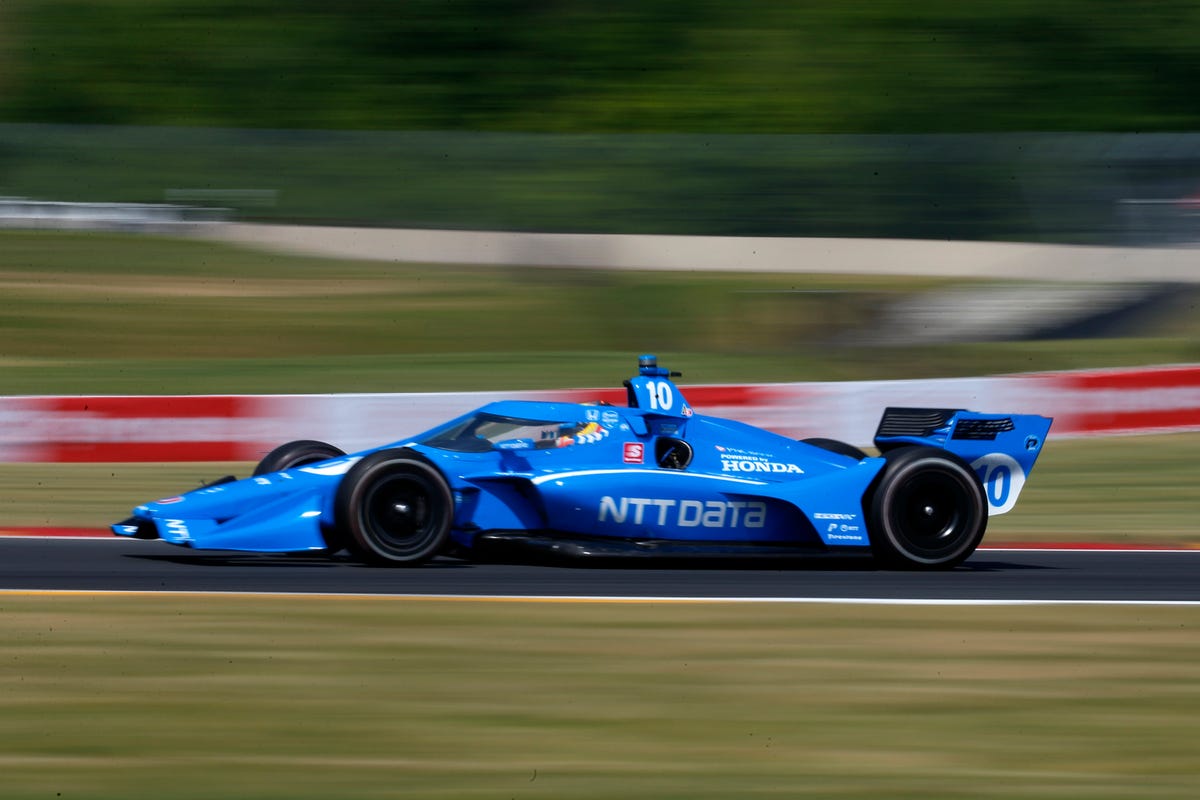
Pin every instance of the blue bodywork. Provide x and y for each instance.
(652, 474)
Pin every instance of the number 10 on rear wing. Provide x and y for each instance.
(1000, 448)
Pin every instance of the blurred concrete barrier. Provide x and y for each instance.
(20, 212)
(244, 428)
(1002, 260)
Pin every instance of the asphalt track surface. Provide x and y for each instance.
(118, 565)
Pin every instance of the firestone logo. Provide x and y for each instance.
(683, 513)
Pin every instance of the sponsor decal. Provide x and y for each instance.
(166, 501)
(664, 512)
(177, 528)
(840, 527)
(589, 434)
(609, 418)
(737, 452)
(635, 453)
(734, 459)
(742, 464)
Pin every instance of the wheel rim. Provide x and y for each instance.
(932, 514)
(401, 514)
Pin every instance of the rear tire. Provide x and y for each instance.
(296, 454)
(394, 507)
(927, 510)
(834, 446)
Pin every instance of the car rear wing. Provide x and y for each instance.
(1001, 448)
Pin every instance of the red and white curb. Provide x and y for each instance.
(1160, 399)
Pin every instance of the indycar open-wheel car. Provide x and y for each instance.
(651, 478)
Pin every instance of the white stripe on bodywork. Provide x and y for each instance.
(340, 467)
(588, 473)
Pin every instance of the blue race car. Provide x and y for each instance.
(651, 479)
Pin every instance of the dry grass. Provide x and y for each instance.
(298, 698)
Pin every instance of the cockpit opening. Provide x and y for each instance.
(481, 432)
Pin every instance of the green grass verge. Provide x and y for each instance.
(1126, 489)
(1120, 490)
(295, 698)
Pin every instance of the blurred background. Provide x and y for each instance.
(1072, 122)
(136, 135)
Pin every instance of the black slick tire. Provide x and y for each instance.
(394, 508)
(926, 511)
(835, 446)
(296, 454)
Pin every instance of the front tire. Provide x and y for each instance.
(394, 507)
(296, 454)
(927, 510)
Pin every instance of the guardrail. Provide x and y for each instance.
(244, 427)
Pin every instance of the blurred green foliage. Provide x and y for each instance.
(1030, 187)
(756, 118)
(757, 66)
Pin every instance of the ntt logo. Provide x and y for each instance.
(684, 513)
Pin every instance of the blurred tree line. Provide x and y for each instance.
(575, 66)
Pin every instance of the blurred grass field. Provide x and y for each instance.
(106, 313)
(294, 698)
